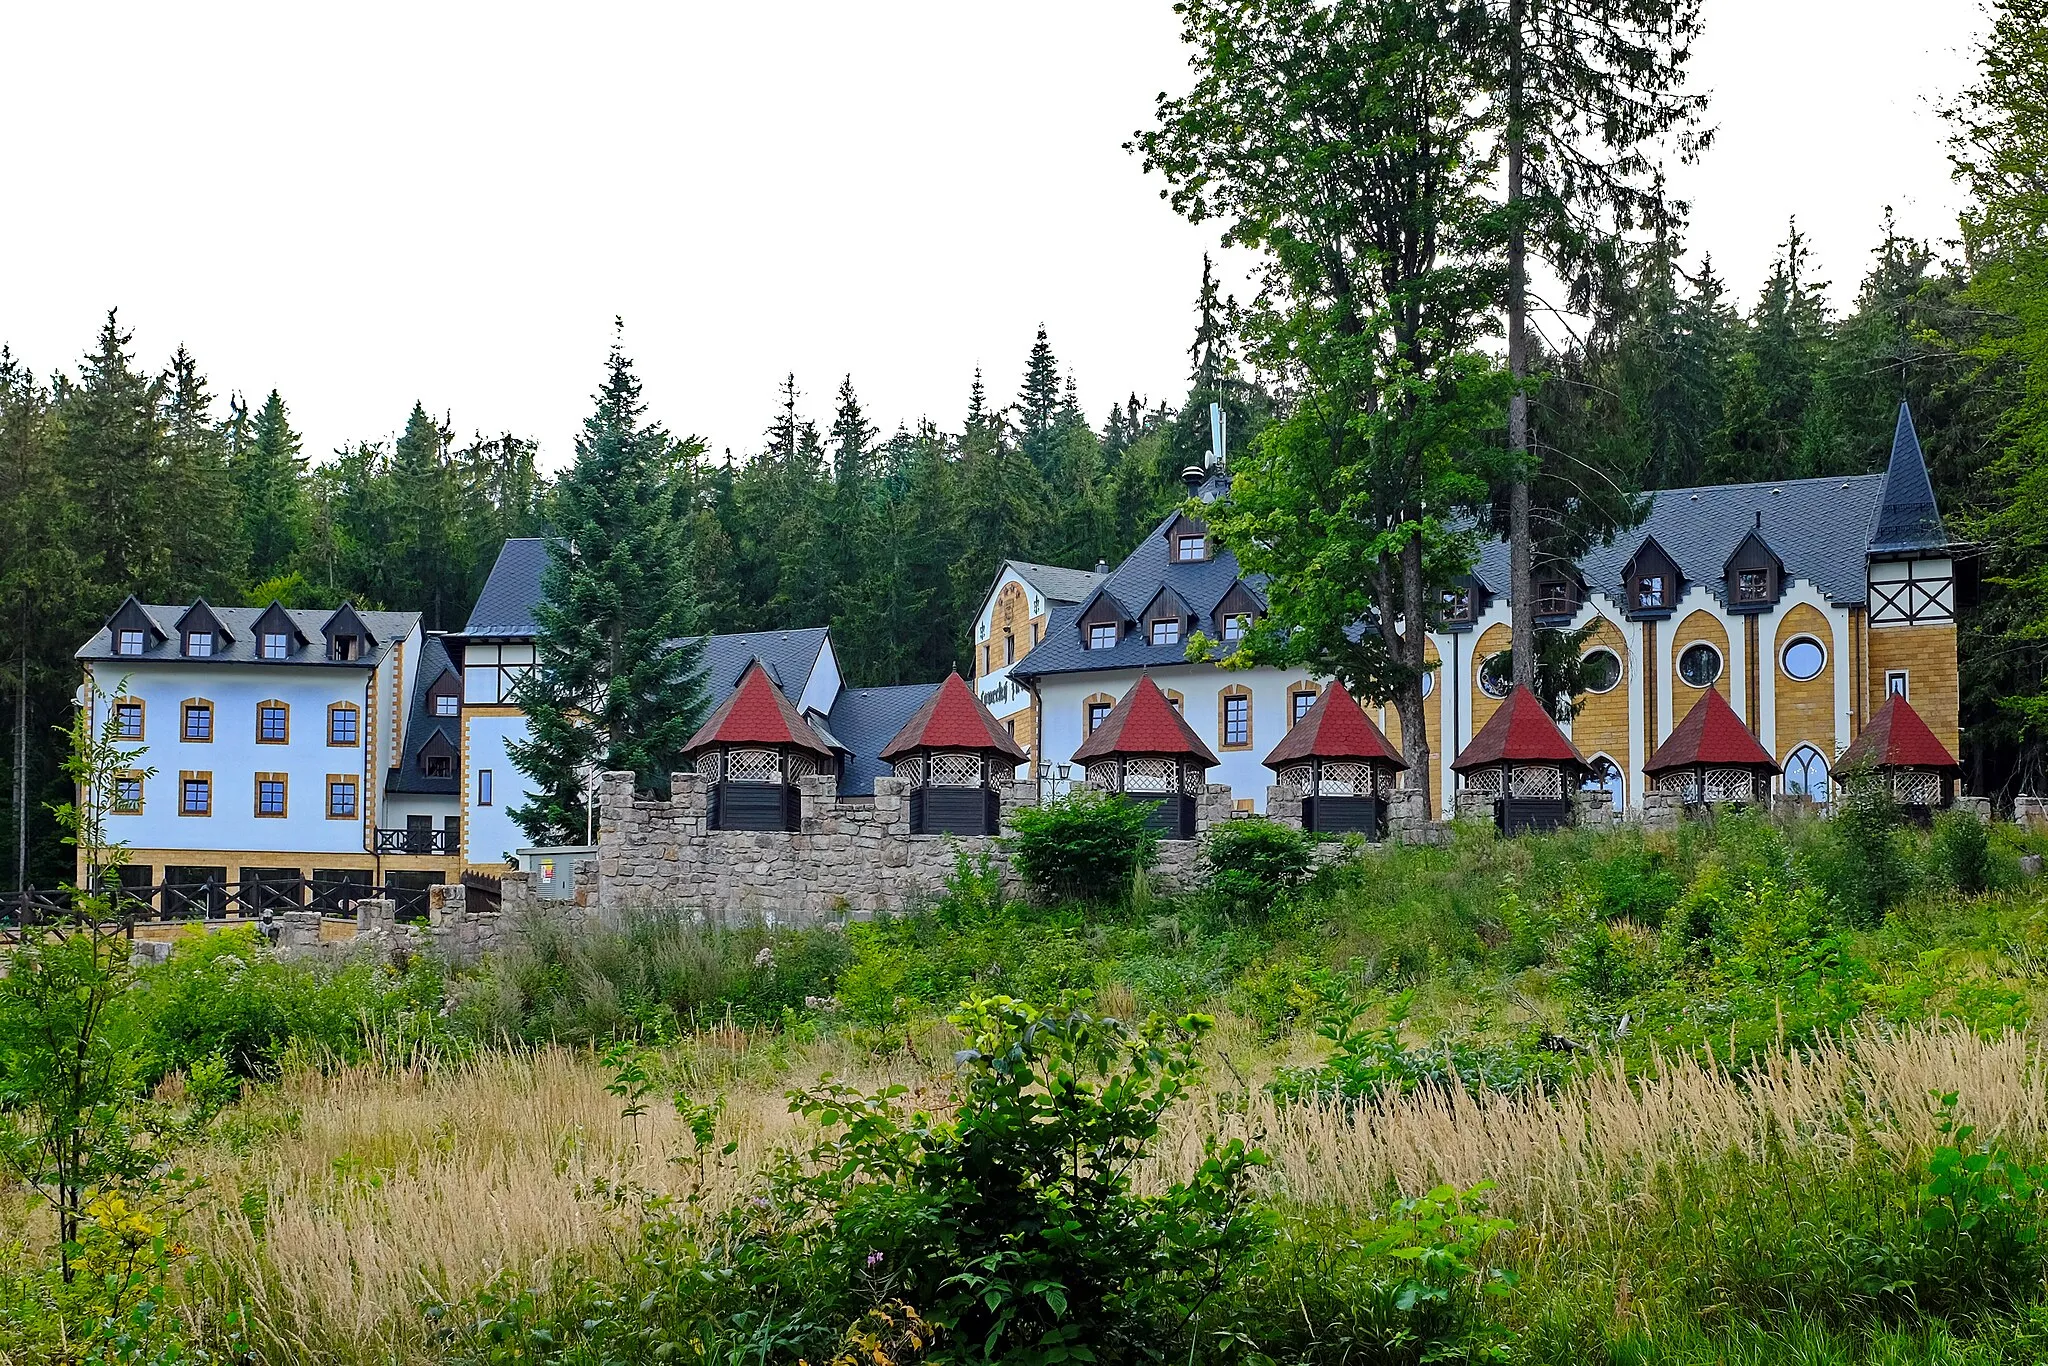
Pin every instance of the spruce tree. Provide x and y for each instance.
(614, 685)
(1038, 402)
(111, 451)
(269, 474)
(205, 556)
(426, 548)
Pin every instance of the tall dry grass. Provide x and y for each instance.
(410, 1185)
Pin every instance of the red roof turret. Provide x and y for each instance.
(1897, 738)
(1336, 727)
(1520, 731)
(953, 718)
(757, 713)
(1711, 734)
(1144, 723)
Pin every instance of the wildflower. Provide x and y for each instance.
(874, 1260)
(765, 958)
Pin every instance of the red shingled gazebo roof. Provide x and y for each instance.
(1520, 731)
(1335, 727)
(1896, 738)
(1711, 733)
(757, 713)
(953, 718)
(1144, 723)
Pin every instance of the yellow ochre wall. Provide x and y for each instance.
(1805, 711)
(1495, 639)
(1432, 709)
(1602, 725)
(1928, 655)
(1701, 625)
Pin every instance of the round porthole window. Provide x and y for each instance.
(1804, 659)
(1600, 670)
(1700, 665)
(1494, 679)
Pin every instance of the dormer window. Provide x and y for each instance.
(447, 704)
(437, 766)
(1188, 549)
(1554, 598)
(199, 645)
(1102, 636)
(1650, 593)
(1166, 632)
(129, 643)
(275, 645)
(1457, 604)
(1235, 625)
(344, 647)
(1752, 585)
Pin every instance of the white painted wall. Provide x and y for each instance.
(490, 834)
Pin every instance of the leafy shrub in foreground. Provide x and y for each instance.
(1961, 852)
(1250, 863)
(1087, 846)
(1859, 857)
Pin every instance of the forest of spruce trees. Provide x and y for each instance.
(130, 474)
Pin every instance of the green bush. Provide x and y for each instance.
(1860, 856)
(1249, 864)
(1960, 852)
(1088, 846)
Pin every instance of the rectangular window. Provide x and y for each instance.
(483, 787)
(1235, 625)
(195, 794)
(447, 704)
(1237, 722)
(130, 643)
(1300, 703)
(128, 720)
(273, 723)
(1102, 636)
(1034, 635)
(341, 725)
(451, 830)
(270, 794)
(341, 796)
(1189, 549)
(1098, 712)
(199, 645)
(1009, 648)
(128, 793)
(343, 647)
(197, 722)
(1553, 599)
(1011, 726)
(1166, 632)
(274, 645)
(1752, 585)
(1650, 591)
(1895, 683)
(984, 659)
(1458, 605)
(437, 766)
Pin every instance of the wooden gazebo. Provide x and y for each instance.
(1899, 751)
(1341, 766)
(753, 749)
(1146, 750)
(1712, 759)
(955, 755)
(1525, 764)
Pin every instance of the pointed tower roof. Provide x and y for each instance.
(1520, 731)
(1907, 518)
(1144, 723)
(1335, 727)
(953, 718)
(1896, 738)
(1711, 733)
(757, 713)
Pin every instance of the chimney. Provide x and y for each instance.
(1101, 565)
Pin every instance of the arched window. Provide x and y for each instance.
(1603, 774)
(1806, 774)
(1094, 711)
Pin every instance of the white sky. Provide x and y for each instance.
(363, 205)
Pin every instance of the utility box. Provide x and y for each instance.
(551, 870)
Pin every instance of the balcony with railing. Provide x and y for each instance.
(418, 840)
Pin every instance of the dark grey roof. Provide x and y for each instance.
(505, 606)
(866, 719)
(1907, 517)
(789, 657)
(240, 623)
(1134, 584)
(421, 725)
(1057, 584)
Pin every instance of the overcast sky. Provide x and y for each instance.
(362, 205)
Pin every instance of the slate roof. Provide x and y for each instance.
(1144, 722)
(953, 718)
(789, 656)
(1335, 727)
(421, 725)
(1519, 731)
(504, 608)
(1134, 584)
(1711, 733)
(1907, 517)
(1896, 738)
(1056, 583)
(864, 720)
(757, 713)
(240, 623)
